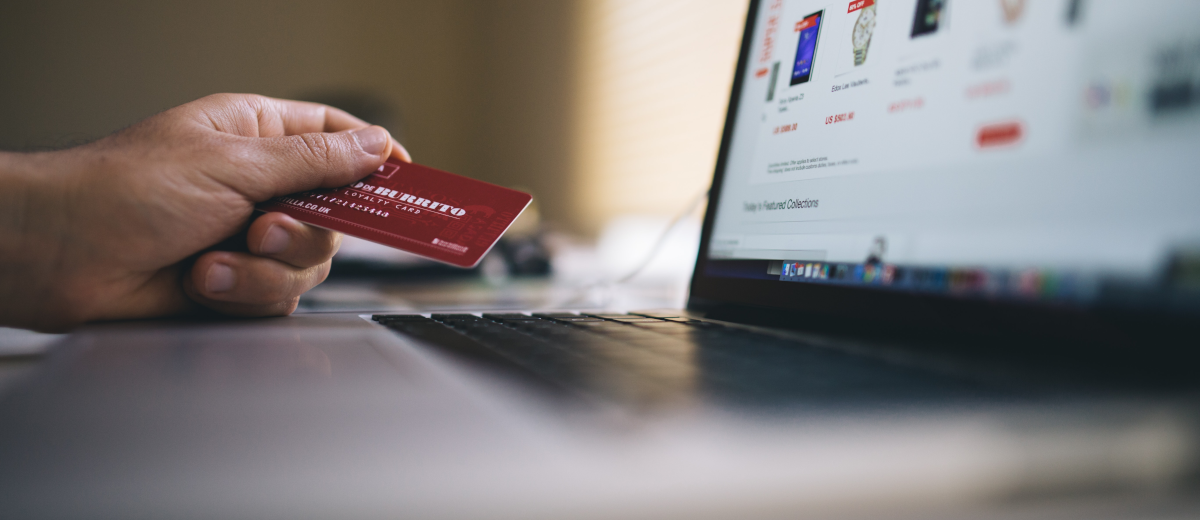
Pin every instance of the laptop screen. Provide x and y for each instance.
(1039, 151)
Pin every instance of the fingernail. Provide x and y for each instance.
(275, 241)
(219, 279)
(372, 139)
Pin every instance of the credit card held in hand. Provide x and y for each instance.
(428, 212)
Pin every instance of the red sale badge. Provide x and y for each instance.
(432, 213)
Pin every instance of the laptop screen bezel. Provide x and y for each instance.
(940, 313)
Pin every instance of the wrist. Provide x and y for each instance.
(32, 239)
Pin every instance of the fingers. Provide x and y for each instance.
(286, 259)
(302, 117)
(289, 164)
(251, 115)
(247, 285)
(292, 146)
(278, 236)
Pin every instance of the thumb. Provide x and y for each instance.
(316, 160)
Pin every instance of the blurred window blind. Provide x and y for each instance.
(653, 85)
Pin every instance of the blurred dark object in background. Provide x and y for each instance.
(522, 251)
(384, 271)
(525, 255)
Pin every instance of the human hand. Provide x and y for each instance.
(122, 228)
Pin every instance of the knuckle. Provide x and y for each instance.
(276, 291)
(224, 99)
(282, 308)
(325, 244)
(256, 99)
(335, 243)
(317, 147)
(275, 287)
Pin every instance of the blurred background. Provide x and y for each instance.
(608, 111)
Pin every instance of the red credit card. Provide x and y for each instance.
(432, 213)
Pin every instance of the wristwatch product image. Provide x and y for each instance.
(863, 29)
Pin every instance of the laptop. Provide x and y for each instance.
(970, 182)
(950, 260)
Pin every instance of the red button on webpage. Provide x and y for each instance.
(859, 4)
(999, 134)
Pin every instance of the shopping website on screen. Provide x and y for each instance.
(994, 146)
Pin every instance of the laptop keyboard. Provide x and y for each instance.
(650, 360)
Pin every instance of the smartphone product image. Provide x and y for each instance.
(929, 13)
(810, 31)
